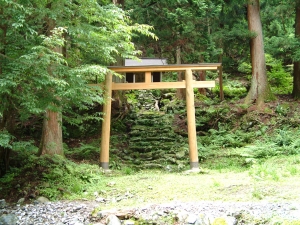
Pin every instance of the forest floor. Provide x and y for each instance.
(275, 180)
(224, 175)
(153, 187)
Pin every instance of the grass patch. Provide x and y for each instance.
(276, 168)
(225, 163)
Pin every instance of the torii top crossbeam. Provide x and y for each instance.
(188, 84)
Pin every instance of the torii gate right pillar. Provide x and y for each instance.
(191, 121)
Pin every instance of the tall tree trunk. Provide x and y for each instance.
(51, 140)
(119, 2)
(201, 77)
(296, 73)
(8, 119)
(180, 94)
(8, 123)
(259, 90)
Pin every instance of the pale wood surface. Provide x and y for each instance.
(193, 151)
(189, 84)
(105, 134)
(148, 77)
(161, 85)
(163, 68)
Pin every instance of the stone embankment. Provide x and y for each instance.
(179, 213)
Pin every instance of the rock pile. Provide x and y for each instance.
(197, 213)
(211, 213)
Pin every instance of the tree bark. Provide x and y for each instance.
(201, 77)
(119, 2)
(7, 122)
(8, 119)
(296, 73)
(259, 90)
(180, 93)
(51, 140)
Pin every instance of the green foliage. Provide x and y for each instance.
(24, 147)
(233, 89)
(61, 177)
(127, 170)
(245, 67)
(279, 39)
(5, 139)
(131, 97)
(280, 80)
(222, 139)
(210, 116)
(283, 142)
(169, 76)
(282, 109)
(176, 27)
(55, 176)
(22, 150)
(50, 55)
(7, 178)
(275, 168)
(219, 148)
(85, 151)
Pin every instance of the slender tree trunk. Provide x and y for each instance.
(259, 90)
(51, 140)
(201, 77)
(8, 123)
(119, 2)
(180, 93)
(8, 119)
(296, 73)
(3, 43)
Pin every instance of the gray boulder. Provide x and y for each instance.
(2, 203)
(113, 220)
(8, 219)
(42, 199)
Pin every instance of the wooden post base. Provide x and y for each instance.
(104, 165)
(194, 165)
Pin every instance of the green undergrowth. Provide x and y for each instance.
(276, 168)
(248, 147)
(231, 89)
(244, 155)
(83, 151)
(226, 178)
(54, 177)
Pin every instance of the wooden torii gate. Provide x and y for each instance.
(188, 84)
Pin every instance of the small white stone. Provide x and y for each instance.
(42, 199)
(128, 222)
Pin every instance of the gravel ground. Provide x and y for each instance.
(83, 213)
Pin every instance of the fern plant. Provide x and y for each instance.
(284, 142)
(5, 139)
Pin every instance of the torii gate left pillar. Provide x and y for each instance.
(105, 133)
(189, 84)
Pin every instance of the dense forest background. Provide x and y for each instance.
(50, 51)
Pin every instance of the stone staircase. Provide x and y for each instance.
(153, 142)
